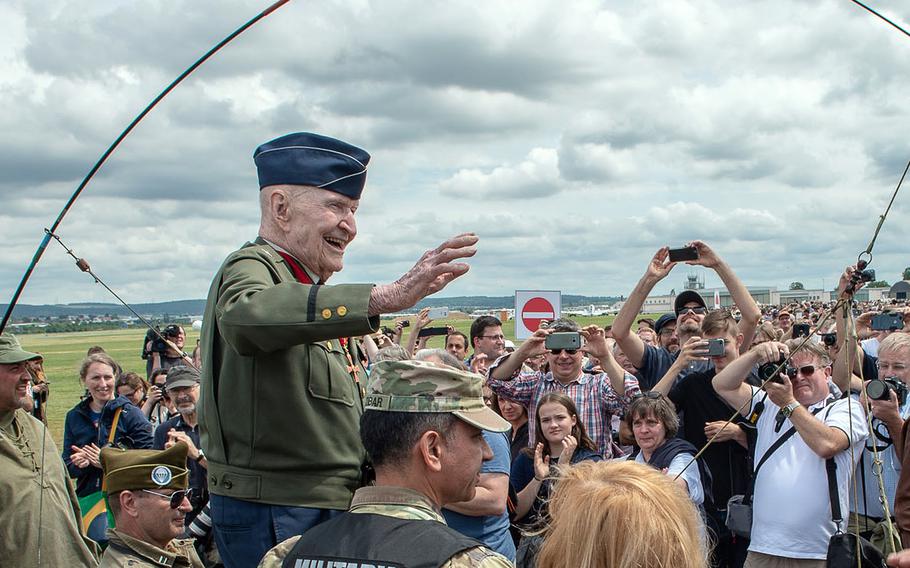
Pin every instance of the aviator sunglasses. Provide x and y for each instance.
(175, 499)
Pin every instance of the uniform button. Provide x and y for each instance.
(342, 311)
(227, 484)
(326, 313)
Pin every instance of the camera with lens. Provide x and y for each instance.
(880, 389)
(153, 343)
(769, 372)
(829, 339)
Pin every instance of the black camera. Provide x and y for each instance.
(867, 275)
(829, 339)
(880, 389)
(153, 343)
(769, 372)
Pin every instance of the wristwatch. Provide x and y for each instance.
(200, 457)
(788, 410)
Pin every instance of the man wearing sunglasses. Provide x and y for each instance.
(148, 497)
(689, 307)
(791, 516)
(599, 397)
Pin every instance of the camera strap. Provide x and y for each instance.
(747, 499)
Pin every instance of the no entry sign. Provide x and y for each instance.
(533, 307)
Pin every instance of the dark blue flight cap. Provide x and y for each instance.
(304, 158)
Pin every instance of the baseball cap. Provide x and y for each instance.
(181, 376)
(688, 296)
(423, 386)
(662, 321)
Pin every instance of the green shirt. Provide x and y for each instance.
(36, 508)
(280, 408)
(124, 551)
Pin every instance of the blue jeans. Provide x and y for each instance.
(245, 530)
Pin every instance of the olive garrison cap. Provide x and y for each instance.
(144, 469)
(303, 158)
(11, 351)
(422, 386)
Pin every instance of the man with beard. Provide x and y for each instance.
(183, 388)
(37, 500)
(690, 309)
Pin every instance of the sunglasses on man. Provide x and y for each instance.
(805, 370)
(698, 310)
(176, 498)
(568, 351)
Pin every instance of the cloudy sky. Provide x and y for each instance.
(574, 137)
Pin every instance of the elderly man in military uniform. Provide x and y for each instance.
(423, 429)
(282, 381)
(147, 494)
(39, 512)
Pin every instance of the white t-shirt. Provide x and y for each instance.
(791, 515)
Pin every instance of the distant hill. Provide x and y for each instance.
(196, 307)
(92, 309)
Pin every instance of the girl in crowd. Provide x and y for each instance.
(620, 514)
(517, 415)
(564, 442)
(89, 424)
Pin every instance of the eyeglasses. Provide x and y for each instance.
(699, 310)
(568, 351)
(493, 337)
(654, 395)
(176, 498)
(805, 370)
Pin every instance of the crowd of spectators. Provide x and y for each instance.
(644, 396)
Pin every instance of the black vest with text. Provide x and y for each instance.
(366, 540)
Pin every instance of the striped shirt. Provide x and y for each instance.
(593, 395)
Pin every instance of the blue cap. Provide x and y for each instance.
(303, 158)
(663, 320)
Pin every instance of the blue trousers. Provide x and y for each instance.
(245, 530)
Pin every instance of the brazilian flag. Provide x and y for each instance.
(95, 517)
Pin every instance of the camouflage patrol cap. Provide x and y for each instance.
(422, 386)
(144, 469)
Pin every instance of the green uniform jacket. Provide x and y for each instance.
(25, 512)
(279, 409)
(124, 551)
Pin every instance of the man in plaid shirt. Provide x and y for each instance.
(598, 397)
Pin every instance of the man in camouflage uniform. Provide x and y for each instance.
(39, 512)
(422, 427)
(146, 492)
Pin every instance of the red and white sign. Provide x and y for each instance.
(533, 307)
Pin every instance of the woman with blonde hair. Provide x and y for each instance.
(620, 514)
